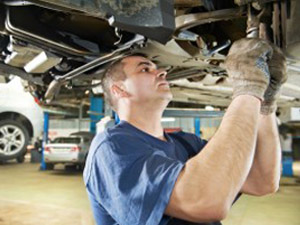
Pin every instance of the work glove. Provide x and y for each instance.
(278, 72)
(247, 67)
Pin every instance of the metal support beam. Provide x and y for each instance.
(197, 124)
(58, 111)
(96, 106)
(195, 113)
(80, 115)
(45, 139)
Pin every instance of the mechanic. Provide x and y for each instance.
(138, 175)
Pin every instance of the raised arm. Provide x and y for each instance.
(265, 172)
(209, 182)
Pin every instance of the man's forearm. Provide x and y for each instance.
(210, 181)
(265, 172)
(227, 158)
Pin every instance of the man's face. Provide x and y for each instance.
(144, 81)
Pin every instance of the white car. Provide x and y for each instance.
(68, 150)
(21, 120)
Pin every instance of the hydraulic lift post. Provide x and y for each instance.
(45, 139)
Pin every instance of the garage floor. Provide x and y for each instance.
(31, 197)
(283, 208)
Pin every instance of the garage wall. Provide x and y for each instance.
(66, 127)
(208, 125)
(58, 127)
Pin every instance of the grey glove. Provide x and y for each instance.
(277, 67)
(247, 67)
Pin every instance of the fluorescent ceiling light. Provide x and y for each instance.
(168, 119)
(209, 108)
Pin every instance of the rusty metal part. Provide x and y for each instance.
(276, 25)
(290, 26)
(253, 22)
(263, 34)
(188, 48)
(195, 19)
(188, 3)
(245, 2)
(284, 17)
(217, 48)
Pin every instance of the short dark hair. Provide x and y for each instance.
(114, 72)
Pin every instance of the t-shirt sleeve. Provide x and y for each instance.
(132, 181)
(196, 142)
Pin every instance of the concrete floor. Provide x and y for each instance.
(282, 208)
(31, 197)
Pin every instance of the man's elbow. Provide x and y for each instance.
(216, 214)
(221, 213)
(209, 214)
(266, 190)
(271, 189)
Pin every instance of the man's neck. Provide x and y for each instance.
(147, 119)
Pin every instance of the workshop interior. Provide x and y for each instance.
(53, 56)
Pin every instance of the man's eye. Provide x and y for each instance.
(145, 70)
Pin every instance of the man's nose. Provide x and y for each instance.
(162, 73)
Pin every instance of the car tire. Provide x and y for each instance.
(70, 167)
(49, 166)
(84, 162)
(14, 138)
(21, 158)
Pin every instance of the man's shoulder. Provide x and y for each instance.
(113, 136)
(193, 140)
(109, 145)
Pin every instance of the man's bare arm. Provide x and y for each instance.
(265, 172)
(209, 182)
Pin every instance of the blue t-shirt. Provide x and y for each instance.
(129, 174)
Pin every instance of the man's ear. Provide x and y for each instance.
(119, 91)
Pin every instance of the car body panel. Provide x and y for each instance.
(65, 157)
(14, 99)
(63, 153)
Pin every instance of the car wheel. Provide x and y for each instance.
(14, 139)
(84, 162)
(49, 166)
(21, 158)
(70, 167)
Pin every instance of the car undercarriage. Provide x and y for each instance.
(62, 47)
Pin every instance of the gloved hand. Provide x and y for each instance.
(247, 67)
(277, 68)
